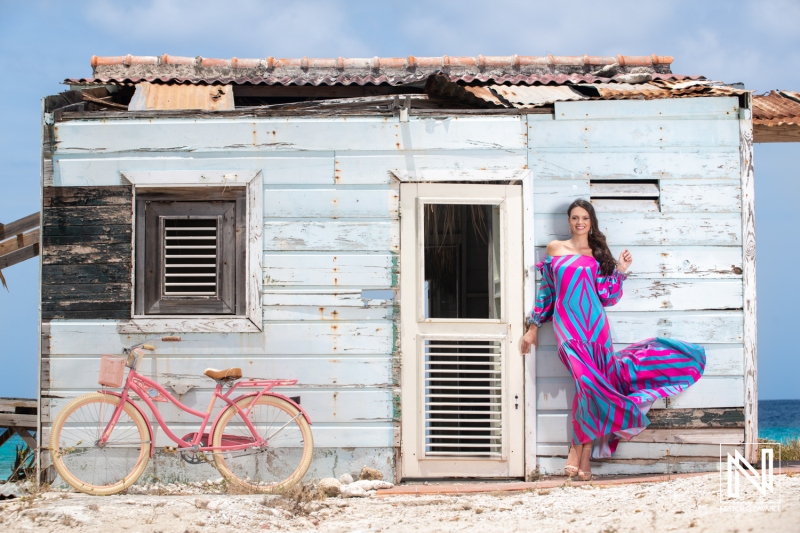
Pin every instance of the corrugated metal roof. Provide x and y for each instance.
(776, 108)
(158, 96)
(523, 96)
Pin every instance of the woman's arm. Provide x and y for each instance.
(542, 309)
(609, 288)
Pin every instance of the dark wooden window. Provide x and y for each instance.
(190, 252)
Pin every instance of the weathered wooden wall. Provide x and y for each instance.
(686, 279)
(331, 268)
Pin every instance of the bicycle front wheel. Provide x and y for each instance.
(82, 462)
(281, 462)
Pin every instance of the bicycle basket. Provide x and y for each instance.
(111, 369)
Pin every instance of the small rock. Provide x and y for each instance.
(315, 521)
(362, 488)
(370, 473)
(344, 479)
(202, 503)
(353, 491)
(478, 510)
(329, 486)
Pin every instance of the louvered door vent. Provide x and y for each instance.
(626, 195)
(190, 256)
(463, 399)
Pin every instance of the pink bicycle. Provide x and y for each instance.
(101, 442)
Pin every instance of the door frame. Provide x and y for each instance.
(529, 282)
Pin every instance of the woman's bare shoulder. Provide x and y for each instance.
(554, 248)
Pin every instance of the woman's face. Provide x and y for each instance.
(579, 221)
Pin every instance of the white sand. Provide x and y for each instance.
(686, 504)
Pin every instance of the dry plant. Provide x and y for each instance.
(298, 498)
(789, 450)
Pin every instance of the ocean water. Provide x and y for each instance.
(778, 420)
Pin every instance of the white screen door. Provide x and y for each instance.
(461, 320)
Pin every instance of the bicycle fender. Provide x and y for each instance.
(282, 397)
(147, 420)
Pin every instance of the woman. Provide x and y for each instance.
(614, 390)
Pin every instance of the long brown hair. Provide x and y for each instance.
(597, 241)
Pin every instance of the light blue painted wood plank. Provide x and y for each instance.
(721, 360)
(673, 229)
(684, 262)
(674, 164)
(332, 203)
(328, 297)
(82, 337)
(554, 196)
(301, 313)
(581, 135)
(719, 108)
(555, 466)
(289, 134)
(369, 167)
(80, 372)
(309, 169)
(701, 196)
(699, 327)
(328, 235)
(332, 269)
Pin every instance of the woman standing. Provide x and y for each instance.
(614, 390)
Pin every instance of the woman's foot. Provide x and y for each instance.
(573, 460)
(584, 468)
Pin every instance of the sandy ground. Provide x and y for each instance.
(686, 504)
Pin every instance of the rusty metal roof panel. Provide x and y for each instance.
(776, 107)
(149, 96)
(524, 97)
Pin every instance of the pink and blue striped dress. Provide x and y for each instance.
(614, 390)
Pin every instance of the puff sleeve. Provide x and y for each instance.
(546, 296)
(609, 288)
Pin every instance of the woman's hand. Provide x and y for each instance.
(531, 337)
(625, 260)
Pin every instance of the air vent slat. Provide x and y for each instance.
(462, 400)
(190, 257)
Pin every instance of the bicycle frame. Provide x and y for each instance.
(264, 384)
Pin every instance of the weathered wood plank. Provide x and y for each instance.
(695, 326)
(370, 168)
(342, 236)
(648, 450)
(750, 316)
(336, 340)
(75, 235)
(93, 292)
(575, 135)
(624, 190)
(721, 360)
(692, 436)
(17, 256)
(700, 196)
(87, 216)
(82, 274)
(641, 294)
(638, 205)
(696, 418)
(608, 467)
(11, 420)
(329, 297)
(314, 168)
(81, 371)
(269, 135)
(11, 405)
(660, 164)
(301, 313)
(709, 392)
(87, 196)
(18, 226)
(554, 196)
(684, 229)
(332, 203)
(719, 108)
(340, 270)
(79, 254)
(678, 261)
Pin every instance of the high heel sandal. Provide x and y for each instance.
(572, 470)
(586, 455)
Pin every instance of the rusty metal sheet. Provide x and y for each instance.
(149, 96)
(776, 107)
(523, 96)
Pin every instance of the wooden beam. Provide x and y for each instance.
(26, 436)
(9, 405)
(19, 226)
(20, 255)
(696, 418)
(11, 420)
(21, 241)
(781, 133)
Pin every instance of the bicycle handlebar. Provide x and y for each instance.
(133, 352)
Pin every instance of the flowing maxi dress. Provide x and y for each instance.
(613, 390)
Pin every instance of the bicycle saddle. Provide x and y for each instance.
(228, 374)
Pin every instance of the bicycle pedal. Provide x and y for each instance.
(170, 449)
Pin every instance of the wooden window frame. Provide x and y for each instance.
(152, 206)
(249, 318)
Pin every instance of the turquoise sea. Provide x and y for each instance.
(778, 420)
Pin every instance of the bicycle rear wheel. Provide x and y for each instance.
(272, 468)
(94, 469)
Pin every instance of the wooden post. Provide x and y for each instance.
(749, 279)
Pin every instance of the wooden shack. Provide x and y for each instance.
(389, 214)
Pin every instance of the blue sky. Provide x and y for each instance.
(755, 42)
